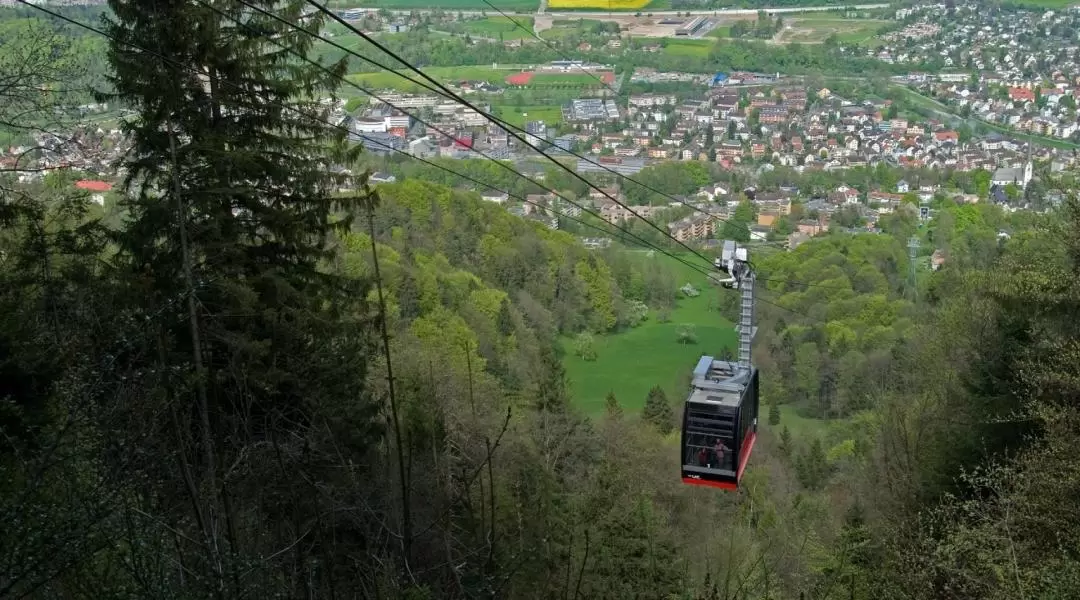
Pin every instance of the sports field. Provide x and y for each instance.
(515, 115)
(684, 47)
(632, 362)
(559, 79)
(385, 79)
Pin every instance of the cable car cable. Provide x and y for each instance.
(450, 95)
(482, 154)
(509, 127)
(643, 243)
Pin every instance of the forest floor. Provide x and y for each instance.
(630, 363)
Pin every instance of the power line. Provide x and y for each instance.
(444, 133)
(450, 94)
(427, 124)
(445, 92)
(644, 243)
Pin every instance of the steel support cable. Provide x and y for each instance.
(444, 91)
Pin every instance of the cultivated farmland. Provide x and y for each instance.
(505, 5)
(600, 4)
(500, 27)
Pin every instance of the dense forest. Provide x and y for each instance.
(252, 375)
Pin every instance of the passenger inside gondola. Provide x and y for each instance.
(709, 451)
(720, 452)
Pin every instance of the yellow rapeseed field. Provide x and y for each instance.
(602, 4)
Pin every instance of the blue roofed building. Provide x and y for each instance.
(720, 79)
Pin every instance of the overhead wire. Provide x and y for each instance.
(450, 94)
(640, 241)
(442, 90)
(456, 98)
(444, 133)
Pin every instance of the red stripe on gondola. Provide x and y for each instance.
(744, 454)
(716, 484)
(744, 457)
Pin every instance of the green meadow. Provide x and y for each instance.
(631, 362)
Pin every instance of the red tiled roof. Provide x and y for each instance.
(1017, 93)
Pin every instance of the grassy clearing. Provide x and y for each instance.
(683, 47)
(513, 114)
(500, 27)
(814, 30)
(802, 428)
(632, 362)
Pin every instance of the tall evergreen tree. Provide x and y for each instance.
(551, 384)
(774, 413)
(612, 406)
(658, 410)
(231, 231)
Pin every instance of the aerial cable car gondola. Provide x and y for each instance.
(721, 412)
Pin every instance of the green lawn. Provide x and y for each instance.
(684, 47)
(501, 27)
(565, 79)
(385, 79)
(513, 114)
(632, 362)
(721, 31)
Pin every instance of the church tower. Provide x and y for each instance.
(1029, 168)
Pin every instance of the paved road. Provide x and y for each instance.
(543, 9)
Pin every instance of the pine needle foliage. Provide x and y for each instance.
(235, 205)
(657, 410)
